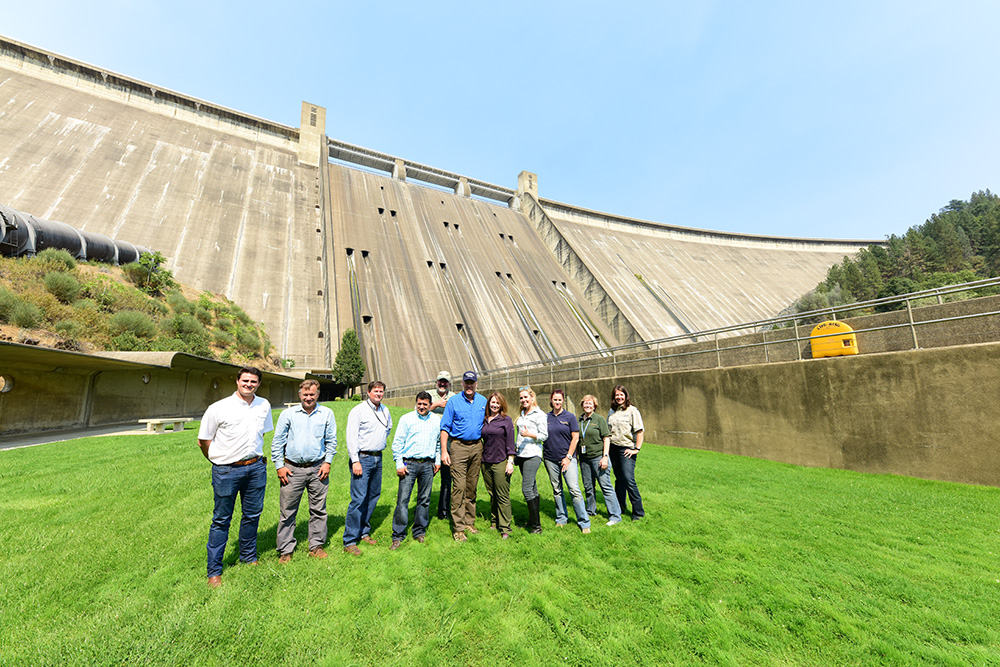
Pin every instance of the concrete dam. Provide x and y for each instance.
(313, 236)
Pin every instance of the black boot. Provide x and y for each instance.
(534, 520)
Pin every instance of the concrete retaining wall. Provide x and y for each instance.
(925, 413)
(54, 390)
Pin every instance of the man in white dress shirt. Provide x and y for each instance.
(368, 426)
(232, 438)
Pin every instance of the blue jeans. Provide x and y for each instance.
(556, 477)
(625, 481)
(590, 470)
(420, 473)
(227, 481)
(444, 496)
(365, 492)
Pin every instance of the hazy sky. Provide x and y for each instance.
(848, 119)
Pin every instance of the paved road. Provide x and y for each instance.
(29, 439)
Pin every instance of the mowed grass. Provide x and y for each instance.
(739, 562)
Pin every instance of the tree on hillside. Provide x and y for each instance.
(960, 243)
(349, 368)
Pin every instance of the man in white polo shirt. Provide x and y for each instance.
(232, 438)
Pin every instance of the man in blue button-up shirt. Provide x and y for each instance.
(461, 448)
(305, 441)
(416, 450)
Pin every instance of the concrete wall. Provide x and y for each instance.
(667, 280)
(924, 413)
(52, 390)
(432, 280)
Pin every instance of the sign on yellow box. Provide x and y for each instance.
(831, 345)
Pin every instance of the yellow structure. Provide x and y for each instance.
(833, 339)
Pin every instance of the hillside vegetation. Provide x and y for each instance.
(55, 301)
(959, 244)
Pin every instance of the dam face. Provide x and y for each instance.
(470, 276)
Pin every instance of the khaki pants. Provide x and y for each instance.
(498, 486)
(465, 460)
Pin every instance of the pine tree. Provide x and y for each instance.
(349, 368)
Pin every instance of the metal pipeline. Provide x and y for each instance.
(22, 234)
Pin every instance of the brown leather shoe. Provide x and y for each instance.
(460, 537)
(473, 530)
(419, 538)
(367, 539)
(284, 558)
(316, 553)
(215, 582)
(352, 549)
(395, 545)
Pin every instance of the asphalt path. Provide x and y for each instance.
(45, 437)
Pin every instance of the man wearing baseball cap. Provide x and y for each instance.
(462, 449)
(439, 400)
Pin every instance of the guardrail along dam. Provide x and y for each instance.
(313, 236)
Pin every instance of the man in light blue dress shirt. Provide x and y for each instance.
(305, 441)
(416, 449)
(368, 426)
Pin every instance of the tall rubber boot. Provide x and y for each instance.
(534, 518)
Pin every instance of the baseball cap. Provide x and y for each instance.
(470, 376)
(444, 375)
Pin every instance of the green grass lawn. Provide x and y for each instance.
(738, 562)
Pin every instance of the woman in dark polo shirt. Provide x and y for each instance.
(559, 454)
(498, 461)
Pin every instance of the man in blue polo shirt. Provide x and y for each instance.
(462, 449)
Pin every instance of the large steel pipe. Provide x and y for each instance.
(22, 234)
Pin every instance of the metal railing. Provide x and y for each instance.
(784, 330)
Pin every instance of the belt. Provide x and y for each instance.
(244, 462)
(308, 464)
(418, 458)
(467, 442)
(378, 453)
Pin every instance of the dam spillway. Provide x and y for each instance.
(312, 237)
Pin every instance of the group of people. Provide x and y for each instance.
(456, 435)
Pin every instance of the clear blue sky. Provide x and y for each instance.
(847, 119)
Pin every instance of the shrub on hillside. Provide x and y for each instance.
(148, 273)
(182, 325)
(129, 342)
(131, 322)
(58, 259)
(7, 301)
(179, 304)
(25, 315)
(204, 315)
(241, 315)
(68, 328)
(191, 344)
(223, 338)
(113, 296)
(248, 343)
(62, 286)
(224, 323)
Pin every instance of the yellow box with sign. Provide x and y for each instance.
(837, 339)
